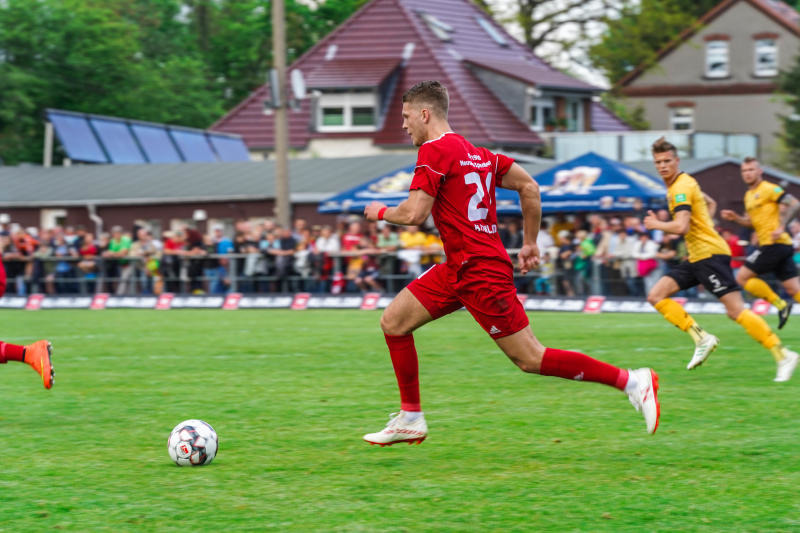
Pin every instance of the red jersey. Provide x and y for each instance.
(462, 179)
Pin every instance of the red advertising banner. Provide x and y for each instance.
(99, 301)
(760, 307)
(594, 304)
(370, 301)
(232, 300)
(34, 302)
(164, 301)
(300, 301)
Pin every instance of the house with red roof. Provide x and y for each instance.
(501, 95)
(720, 74)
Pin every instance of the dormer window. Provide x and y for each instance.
(766, 57)
(439, 28)
(343, 111)
(717, 61)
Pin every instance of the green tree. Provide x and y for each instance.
(181, 62)
(789, 85)
(635, 117)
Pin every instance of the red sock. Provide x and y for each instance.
(577, 366)
(406, 368)
(11, 352)
(2, 279)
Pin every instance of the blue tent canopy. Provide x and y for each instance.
(391, 189)
(592, 182)
(587, 183)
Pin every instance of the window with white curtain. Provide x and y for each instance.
(766, 57)
(681, 118)
(717, 60)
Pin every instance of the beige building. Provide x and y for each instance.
(720, 75)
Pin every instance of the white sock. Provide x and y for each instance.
(412, 415)
(632, 383)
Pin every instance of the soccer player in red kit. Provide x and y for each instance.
(455, 182)
(37, 354)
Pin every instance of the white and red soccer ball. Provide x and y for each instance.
(192, 443)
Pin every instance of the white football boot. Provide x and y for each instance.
(644, 396)
(702, 350)
(400, 429)
(786, 365)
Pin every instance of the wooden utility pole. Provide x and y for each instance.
(283, 209)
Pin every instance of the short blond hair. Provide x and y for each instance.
(430, 93)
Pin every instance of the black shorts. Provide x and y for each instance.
(775, 258)
(714, 273)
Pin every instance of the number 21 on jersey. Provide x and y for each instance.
(475, 213)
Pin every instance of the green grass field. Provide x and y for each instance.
(291, 393)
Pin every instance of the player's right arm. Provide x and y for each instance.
(679, 223)
(412, 211)
(518, 179)
(733, 216)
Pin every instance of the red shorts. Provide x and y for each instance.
(484, 286)
(2, 279)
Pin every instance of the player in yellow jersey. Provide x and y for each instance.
(709, 264)
(762, 203)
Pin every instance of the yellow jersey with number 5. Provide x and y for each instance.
(702, 240)
(763, 207)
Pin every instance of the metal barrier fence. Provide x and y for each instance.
(262, 273)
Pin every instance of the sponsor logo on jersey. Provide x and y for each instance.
(680, 197)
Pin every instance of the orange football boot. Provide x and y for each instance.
(38, 356)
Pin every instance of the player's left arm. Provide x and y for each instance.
(412, 211)
(791, 208)
(518, 179)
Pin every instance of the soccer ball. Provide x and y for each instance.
(192, 442)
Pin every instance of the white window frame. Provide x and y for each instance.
(540, 104)
(439, 28)
(347, 101)
(765, 46)
(574, 123)
(681, 116)
(491, 30)
(718, 50)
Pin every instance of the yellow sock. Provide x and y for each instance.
(757, 328)
(677, 315)
(759, 288)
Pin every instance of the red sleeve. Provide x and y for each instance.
(428, 174)
(502, 166)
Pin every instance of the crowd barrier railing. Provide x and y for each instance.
(266, 273)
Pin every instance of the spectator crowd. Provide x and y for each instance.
(580, 255)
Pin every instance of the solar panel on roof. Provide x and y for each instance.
(229, 148)
(193, 146)
(77, 138)
(118, 141)
(156, 143)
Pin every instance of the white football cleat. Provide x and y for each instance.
(644, 397)
(786, 365)
(702, 350)
(400, 429)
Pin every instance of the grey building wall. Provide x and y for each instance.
(757, 113)
(686, 64)
(740, 113)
